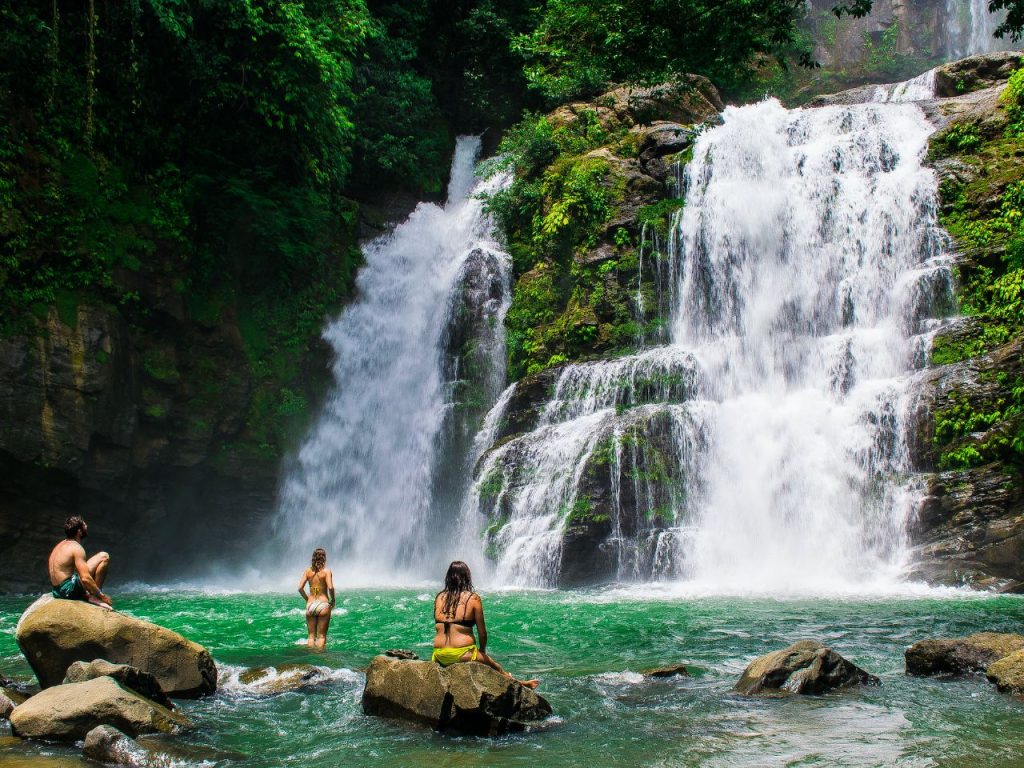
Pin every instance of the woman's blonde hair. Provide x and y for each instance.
(319, 559)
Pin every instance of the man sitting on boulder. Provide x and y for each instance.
(72, 576)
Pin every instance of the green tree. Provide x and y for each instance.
(580, 46)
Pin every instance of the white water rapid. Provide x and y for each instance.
(765, 446)
(364, 484)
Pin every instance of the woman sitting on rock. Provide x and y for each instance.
(457, 609)
(318, 607)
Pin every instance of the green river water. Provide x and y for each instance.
(588, 648)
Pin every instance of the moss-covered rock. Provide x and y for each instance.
(587, 220)
(970, 421)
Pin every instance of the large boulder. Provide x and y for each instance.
(126, 675)
(1008, 673)
(69, 712)
(54, 634)
(961, 655)
(469, 698)
(806, 667)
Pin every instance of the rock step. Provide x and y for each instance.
(469, 698)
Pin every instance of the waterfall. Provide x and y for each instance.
(764, 446)
(421, 344)
(971, 27)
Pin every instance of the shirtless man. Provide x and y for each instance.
(72, 576)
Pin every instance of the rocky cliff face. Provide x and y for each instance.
(146, 428)
(970, 440)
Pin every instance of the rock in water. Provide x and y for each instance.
(1008, 673)
(806, 667)
(53, 634)
(469, 698)
(6, 707)
(127, 676)
(106, 744)
(961, 655)
(673, 670)
(270, 681)
(69, 712)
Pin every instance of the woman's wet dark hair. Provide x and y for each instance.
(319, 559)
(456, 581)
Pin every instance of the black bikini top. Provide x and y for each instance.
(447, 624)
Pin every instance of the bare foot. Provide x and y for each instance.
(99, 603)
(529, 683)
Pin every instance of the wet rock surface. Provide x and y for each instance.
(69, 712)
(671, 670)
(960, 656)
(270, 681)
(106, 744)
(806, 667)
(1008, 673)
(54, 634)
(127, 676)
(468, 698)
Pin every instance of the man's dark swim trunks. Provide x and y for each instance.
(70, 589)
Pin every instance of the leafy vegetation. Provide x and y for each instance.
(988, 424)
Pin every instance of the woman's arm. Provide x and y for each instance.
(330, 585)
(302, 585)
(481, 627)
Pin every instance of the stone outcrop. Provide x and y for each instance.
(106, 744)
(960, 656)
(806, 667)
(127, 676)
(468, 698)
(69, 712)
(1008, 673)
(53, 634)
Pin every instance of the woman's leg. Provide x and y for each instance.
(323, 622)
(485, 659)
(310, 629)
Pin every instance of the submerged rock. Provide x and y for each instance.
(270, 681)
(468, 698)
(1008, 673)
(806, 667)
(673, 670)
(69, 712)
(53, 634)
(962, 655)
(106, 744)
(126, 675)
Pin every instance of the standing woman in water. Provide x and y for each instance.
(457, 609)
(318, 607)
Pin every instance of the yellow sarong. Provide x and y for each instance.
(448, 656)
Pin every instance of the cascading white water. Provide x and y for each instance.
(810, 251)
(806, 265)
(971, 28)
(363, 481)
